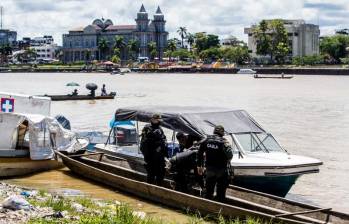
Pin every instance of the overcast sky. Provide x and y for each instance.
(222, 17)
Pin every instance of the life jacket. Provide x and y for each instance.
(215, 152)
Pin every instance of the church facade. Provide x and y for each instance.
(82, 44)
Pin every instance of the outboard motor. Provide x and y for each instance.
(63, 121)
(92, 87)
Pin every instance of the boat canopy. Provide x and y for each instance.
(197, 121)
(20, 103)
(39, 134)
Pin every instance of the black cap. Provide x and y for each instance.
(156, 116)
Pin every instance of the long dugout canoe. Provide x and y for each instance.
(238, 193)
(78, 97)
(119, 177)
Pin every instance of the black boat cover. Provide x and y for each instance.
(197, 121)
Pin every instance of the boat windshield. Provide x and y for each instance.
(258, 142)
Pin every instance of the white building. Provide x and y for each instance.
(37, 41)
(303, 38)
(46, 52)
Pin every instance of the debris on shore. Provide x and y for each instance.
(22, 205)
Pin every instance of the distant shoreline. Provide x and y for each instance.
(259, 70)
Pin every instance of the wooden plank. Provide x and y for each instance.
(303, 212)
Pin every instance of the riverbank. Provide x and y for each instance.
(26, 205)
(259, 70)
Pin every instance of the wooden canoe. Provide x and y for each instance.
(78, 97)
(272, 77)
(119, 173)
(12, 167)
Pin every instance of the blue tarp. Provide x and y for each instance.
(113, 123)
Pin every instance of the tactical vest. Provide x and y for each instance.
(215, 152)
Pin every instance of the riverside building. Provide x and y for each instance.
(303, 38)
(82, 44)
(8, 37)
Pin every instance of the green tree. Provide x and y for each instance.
(133, 48)
(182, 31)
(5, 51)
(204, 41)
(263, 40)
(103, 47)
(171, 47)
(335, 46)
(115, 59)
(182, 54)
(119, 44)
(236, 54)
(190, 40)
(211, 54)
(279, 40)
(152, 49)
(272, 39)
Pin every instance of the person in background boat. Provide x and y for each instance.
(103, 91)
(154, 150)
(218, 153)
(75, 92)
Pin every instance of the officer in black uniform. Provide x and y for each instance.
(218, 153)
(154, 149)
(182, 164)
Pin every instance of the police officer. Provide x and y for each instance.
(154, 149)
(181, 164)
(218, 153)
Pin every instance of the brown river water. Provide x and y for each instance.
(309, 115)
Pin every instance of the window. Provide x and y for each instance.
(258, 142)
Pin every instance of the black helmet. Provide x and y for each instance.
(219, 130)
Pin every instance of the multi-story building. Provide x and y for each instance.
(8, 37)
(82, 44)
(38, 41)
(303, 38)
(45, 52)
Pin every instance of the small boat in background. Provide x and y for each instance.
(246, 71)
(81, 97)
(282, 76)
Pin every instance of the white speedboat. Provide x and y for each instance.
(246, 71)
(259, 162)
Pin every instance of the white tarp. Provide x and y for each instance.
(45, 135)
(26, 104)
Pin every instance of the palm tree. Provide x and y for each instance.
(191, 40)
(133, 47)
(182, 31)
(119, 44)
(152, 49)
(103, 46)
(171, 47)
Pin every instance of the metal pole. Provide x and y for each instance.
(138, 145)
(1, 11)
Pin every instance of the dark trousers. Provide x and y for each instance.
(216, 178)
(155, 172)
(181, 181)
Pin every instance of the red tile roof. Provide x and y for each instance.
(121, 27)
